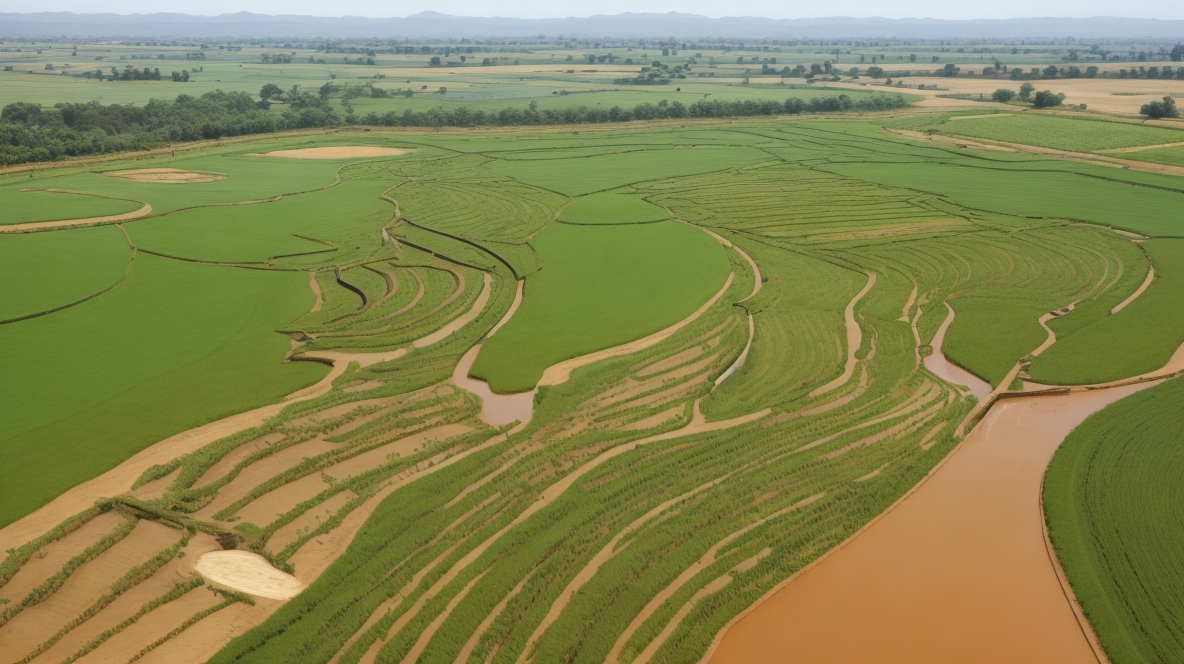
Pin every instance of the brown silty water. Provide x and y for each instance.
(957, 571)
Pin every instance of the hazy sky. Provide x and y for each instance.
(1167, 9)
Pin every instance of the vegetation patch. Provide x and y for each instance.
(611, 207)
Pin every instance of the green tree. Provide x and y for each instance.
(1026, 91)
(1159, 109)
(875, 72)
(1002, 95)
(1047, 99)
(270, 91)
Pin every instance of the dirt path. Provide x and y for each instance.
(316, 290)
(1135, 295)
(462, 320)
(967, 558)
(1140, 148)
(1052, 336)
(557, 374)
(743, 354)
(950, 372)
(75, 223)
(414, 301)
(854, 339)
(1097, 159)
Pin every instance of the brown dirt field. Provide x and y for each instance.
(1134, 296)
(705, 561)
(156, 488)
(948, 371)
(126, 606)
(663, 417)
(232, 459)
(266, 508)
(671, 362)
(854, 339)
(559, 373)
(966, 550)
(170, 175)
(310, 519)
(33, 626)
(462, 320)
(201, 641)
(160, 621)
(52, 557)
(364, 386)
(339, 152)
(261, 471)
(1096, 93)
(249, 573)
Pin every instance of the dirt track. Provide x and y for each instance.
(340, 152)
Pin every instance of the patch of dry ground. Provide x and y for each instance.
(337, 152)
(249, 573)
(171, 175)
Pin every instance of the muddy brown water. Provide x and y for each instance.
(950, 372)
(957, 571)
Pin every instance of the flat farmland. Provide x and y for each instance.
(336, 366)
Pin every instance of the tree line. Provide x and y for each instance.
(30, 132)
(715, 108)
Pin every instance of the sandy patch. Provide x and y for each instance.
(854, 340)
(173, 175)
(337, 152)
(1135, 295)
(233, 457)
(162, 620)
(249, 573)
(202, 641)
(950, 372)
(968, 561)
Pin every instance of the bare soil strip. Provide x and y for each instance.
(743, 355)
(1135, 295)
(939, 365)
(74, 223)
(854, 339)
(170, 175)
(460, 321)
(968, 559)
(316, 290)
(249, 573)
(496, 409)
(340, 152)
(705, 561)
(559, 373)
(1140, 148)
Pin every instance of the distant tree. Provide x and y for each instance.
(912, 57)
(270, 91)
(1026, 91)
(435, 61)
(949, 70)
(1161, 109)
(1177, 53)
(875, 72)
(1091, 72)
(1050, 71)
(1002, 95)
(1047, 99)
(326, 90)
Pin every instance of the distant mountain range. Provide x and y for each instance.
(427, 25)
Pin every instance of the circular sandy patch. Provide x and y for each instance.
(249, 573)
(336, 152)
(175, 175)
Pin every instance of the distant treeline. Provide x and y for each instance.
(716, 108)
(30, 132)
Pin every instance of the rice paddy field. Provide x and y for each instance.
(717, 328)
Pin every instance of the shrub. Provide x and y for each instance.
(1161, 109)
(1003, 95)
(1047, 99)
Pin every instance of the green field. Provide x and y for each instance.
(27, 206)
(600, 287)
(548, 541)
(1112, 500)
(610, 207)
(1059, 132)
